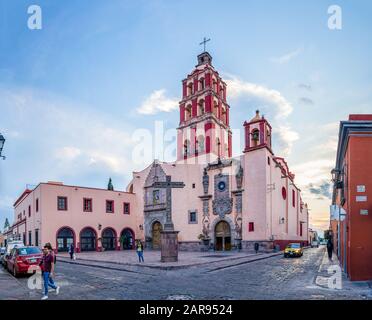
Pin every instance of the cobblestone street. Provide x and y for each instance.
(270, 278)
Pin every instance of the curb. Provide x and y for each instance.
(162, 267)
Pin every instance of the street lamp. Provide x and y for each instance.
(2, 141)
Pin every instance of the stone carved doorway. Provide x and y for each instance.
(156, 235)
(222, 236)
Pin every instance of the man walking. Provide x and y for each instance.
(47, 265)
(71, 251)
(139, 249)
(330, 249)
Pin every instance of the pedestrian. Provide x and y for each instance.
(330, 249)
(139, 249)
(71, 251)
(47, 266)
(256, 247)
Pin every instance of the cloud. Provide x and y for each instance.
(287, 137)
(305, 86)
(158, 102)
(287, 57)
(239, 88)
(307, 101)
(323, 190)
(283, 108)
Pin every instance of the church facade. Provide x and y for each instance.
(226, 202)
(221, 202)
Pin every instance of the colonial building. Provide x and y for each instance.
(90, 218)
(351, 210)
(222, 202)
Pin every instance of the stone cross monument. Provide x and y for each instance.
(169, 241)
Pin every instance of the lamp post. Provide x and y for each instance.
(2, 141)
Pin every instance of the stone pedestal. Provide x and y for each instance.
(169, 246)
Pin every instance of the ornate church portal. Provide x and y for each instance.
(156, 240)
(222, 236)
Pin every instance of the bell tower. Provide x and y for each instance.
(204, 127)
(257, 133)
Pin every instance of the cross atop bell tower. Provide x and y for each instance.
(204, 114)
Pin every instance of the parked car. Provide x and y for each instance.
(293, 250)
(315, 244)
(10, 246)
(22, 258)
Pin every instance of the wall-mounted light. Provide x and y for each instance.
(282, 220)
(99, 226)
(141, 227)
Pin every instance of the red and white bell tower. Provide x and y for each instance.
(204, 114)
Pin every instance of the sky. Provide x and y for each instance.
(76, 95)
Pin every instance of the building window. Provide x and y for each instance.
(88, 205)
(37, 237)
(62, 203)
(293, 198)
(29, 238)
(109, 206)
(284, 193)
(300, 229)
(251, 226)
(29, 211)
(37, 205)
(126, 208)
(193, 217)
(268, 160)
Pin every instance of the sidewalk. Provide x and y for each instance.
(331, 269)
(120, 259)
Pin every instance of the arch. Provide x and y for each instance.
(187, 147)
(222, 236)
(201, 107)
(216, 221)
(190, 88)
(201, 84)
(127, 239)
(215, 108)
(255, 137)
(188, 112)
(64, 237)
(201, 144)
(109, 238)
(88, 239)
(156, 229)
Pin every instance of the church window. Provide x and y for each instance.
(156, 196)
(201, 108)
(293, 198)
(109, 206)
(29, 212)
(190, 89)
(284, 193)
(251, 226)
(37, 205)
(201, 144)
(201, 84)
(187, 149)
(268, 160)
(215, 108)
(188, 112)
(192, 217)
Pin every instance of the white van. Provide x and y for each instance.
(315, 244)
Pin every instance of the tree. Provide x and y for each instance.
(110, 186)
(6, 224)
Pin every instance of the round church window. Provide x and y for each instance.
(221, 185)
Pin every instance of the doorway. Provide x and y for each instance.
(222, 236)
